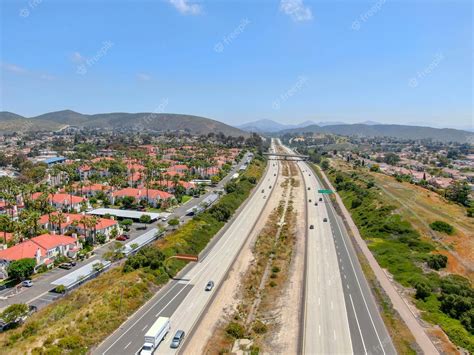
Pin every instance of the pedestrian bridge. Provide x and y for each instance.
(285, 156)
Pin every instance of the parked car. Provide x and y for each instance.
(27, 283)
(141, 228)
(122, 238)
(177, 339)
(210, 286)
(66, 266)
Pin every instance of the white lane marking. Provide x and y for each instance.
(357, 278)
(334, 334)
(358, 325)
(319, 329)
(146, 326)
(347, 286)
(126, 346)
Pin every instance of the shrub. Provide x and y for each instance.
(60, 289)
(13, 312)
(259, 327)
(235, 330)
(275, 269)
(437, 261)
(442, 227)
(356, 203)
(423, 290)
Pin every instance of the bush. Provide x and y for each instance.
(437, 261)
(235, 330)
(259, 327)
(13, 312)
(356, 203)
(60, 289)
(423, 290)
(442, 227)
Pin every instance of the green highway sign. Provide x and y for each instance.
(325, 191)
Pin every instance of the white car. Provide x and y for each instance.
(27, 283)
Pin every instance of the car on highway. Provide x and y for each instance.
(263, 191)
(265, 197)
(311, 226)
(27, 283)
(320, 199)
(209, 286)
(309, 188)
(315, 203)
(270, 186)
(325, 219)
(177, 339)
(309, 200)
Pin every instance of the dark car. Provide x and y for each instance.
(309, 200)
(141, 228)
(309, 188)
(209, 286)
(325, 219)
(65, 266)
(177, 339)
(320, 199)
(311, 227)
(122, 238)
(315, 203)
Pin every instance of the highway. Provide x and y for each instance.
(341, 316)
(185, 300)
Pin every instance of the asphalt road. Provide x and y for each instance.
(189, 299)
(341, 315)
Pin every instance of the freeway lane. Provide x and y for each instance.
(185, 300)
(368, 334)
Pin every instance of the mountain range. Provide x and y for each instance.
(52, 121)
(390, 130)
(269, 126)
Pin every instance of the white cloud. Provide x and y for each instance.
(13, 68)
(185, 7)
(296, 9)
(143, 77)
(77, 57)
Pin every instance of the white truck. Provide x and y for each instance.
(155, 335)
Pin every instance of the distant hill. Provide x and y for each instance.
(270, 126)
(397, 131)
(117, 120)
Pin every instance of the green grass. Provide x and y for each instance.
(185, 199)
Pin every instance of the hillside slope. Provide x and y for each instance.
(117, 120)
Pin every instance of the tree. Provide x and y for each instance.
(215, 180)
(126, 223)
(325, 164)
(21, 269)
(391, 158)
(13, 312)
(458, 192)
(442, 227)
(145, 218)
(375, 168)
(173, 222)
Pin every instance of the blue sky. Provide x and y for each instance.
(238, 61)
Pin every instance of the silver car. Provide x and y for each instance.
(177, 339)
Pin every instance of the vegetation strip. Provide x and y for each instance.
(89, 314)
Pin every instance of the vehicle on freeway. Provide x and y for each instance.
(310, 200)
(269, 187)
(66, 266)
(27, 283)
(274, 174)
(311, 226)
(309, 188)
(325, 219)
(155, 335)
(265, 197)
(320, 199)
(315, 203)
(209, 286)
(263, 190)
(177, 339)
